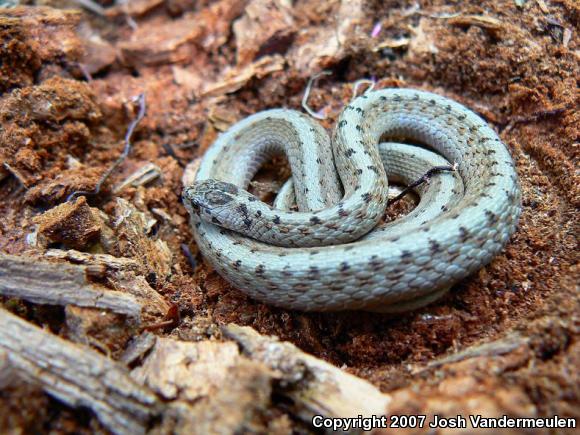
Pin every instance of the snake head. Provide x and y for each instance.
(209, 199)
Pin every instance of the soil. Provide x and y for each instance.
(68, 80)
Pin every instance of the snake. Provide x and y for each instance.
(324, 244)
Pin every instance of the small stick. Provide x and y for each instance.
(423, 179)
(307, 94)
(142, 108)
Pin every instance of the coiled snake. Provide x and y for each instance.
(334, 253)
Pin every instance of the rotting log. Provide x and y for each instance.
(313, 386)
(76, 375)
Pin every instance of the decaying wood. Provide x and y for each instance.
(99, 263)
(313, 386)
(494, 348)
(77, 376)
(210, 388)
(187, 371)
(42, 282)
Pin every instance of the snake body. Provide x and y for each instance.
(334, 253)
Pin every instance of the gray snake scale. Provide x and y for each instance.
(335, 252)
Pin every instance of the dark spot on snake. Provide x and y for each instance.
(432, 102)
(342, 123)
(314, 252)
(434, 246)
(491, 217)
(463, 234)
(461, 118)
(383, 98)
(243, 209)
(248, 222)
(344, 266)
(358, 127)
(319, 161)
(252, 199)
(237, 264)
(359, 110)
(366, 196)
(397, 97)
(359, 171)
(315, 220)
(313, 270)
(406, 255)
(276, 219)
(448, 108)
(349, 152)
(373, 168)
(342, 212)
(260, 268)
(215, 220)
(444, 208)
(258, 213)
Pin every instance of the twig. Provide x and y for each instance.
(307, 94)
(142, 109)
(423, 179)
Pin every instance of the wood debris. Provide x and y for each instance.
(313, 386)
(76, 375)
(485, 22)
(187, 371)
(235, 79)
(140, 177)
(266, 27)
(328, 44)
(73, 224)
(180, 40)
(60, 284)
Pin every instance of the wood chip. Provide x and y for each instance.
(317, 387)
(543, 6)
(77, 376)
(482, 21)
(235, 79)
(140, 177)
(60, 284)
(187, 371)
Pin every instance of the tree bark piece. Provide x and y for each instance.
(315, 387)
(60, 284)
(77, 376)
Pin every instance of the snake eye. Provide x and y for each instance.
(217, 198)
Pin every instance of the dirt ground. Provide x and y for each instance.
(68, 82)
